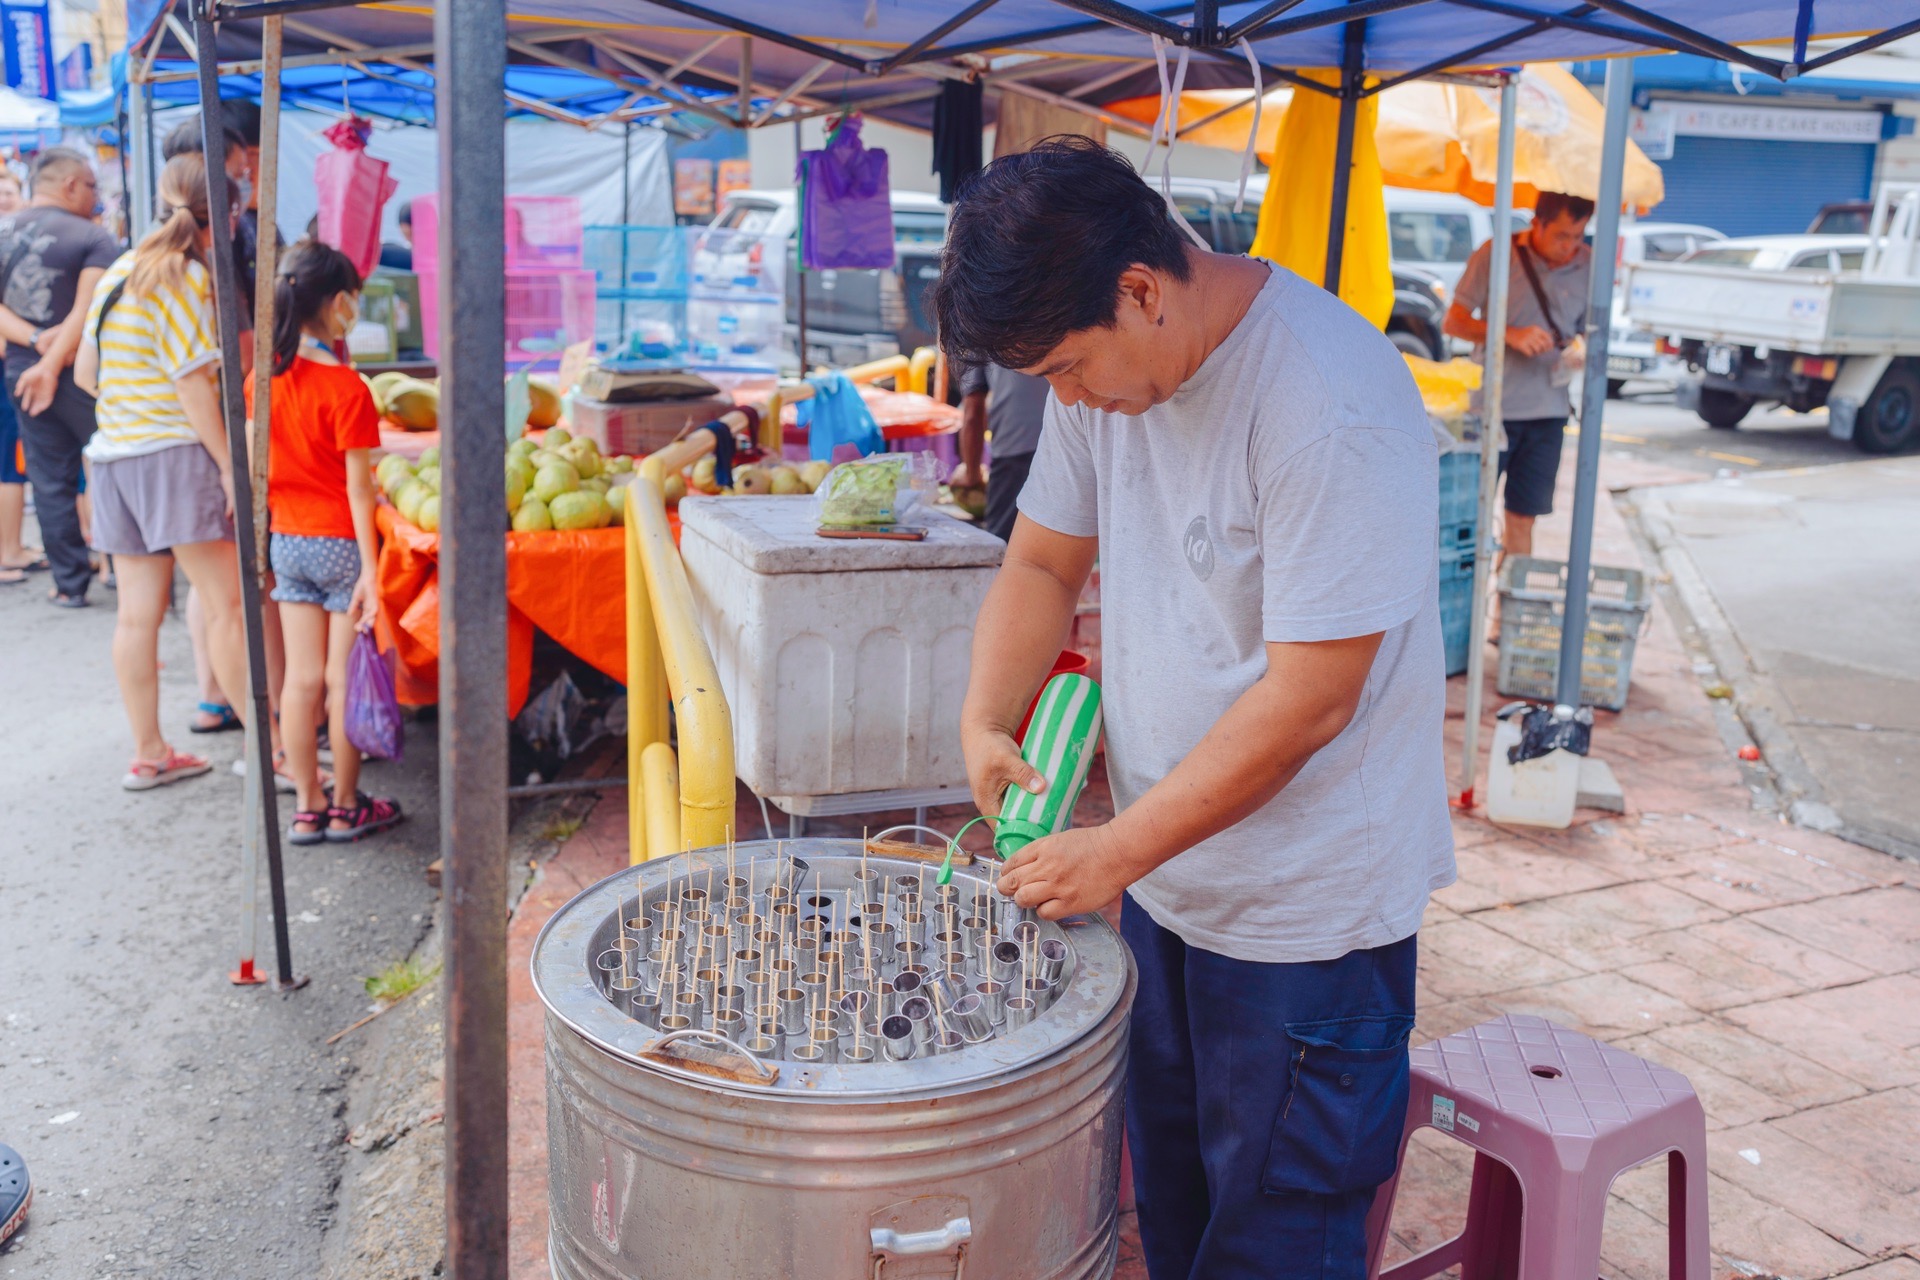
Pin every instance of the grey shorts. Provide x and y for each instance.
(319, 571)
(149, 504)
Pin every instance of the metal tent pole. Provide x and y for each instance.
(1593, 391)
(226, 292)
(470, 55)
(1492, 387)
(799, 255)
(1352, 65)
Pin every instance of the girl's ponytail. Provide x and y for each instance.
(311, 275)
(160, 260)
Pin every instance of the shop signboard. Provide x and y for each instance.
(1660, 123)
(29, 47)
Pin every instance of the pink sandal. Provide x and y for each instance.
(145, 775)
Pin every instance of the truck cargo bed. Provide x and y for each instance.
(1816, 312)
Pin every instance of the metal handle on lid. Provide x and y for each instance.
(767, 1075)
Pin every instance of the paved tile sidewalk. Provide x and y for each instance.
(1777, 968)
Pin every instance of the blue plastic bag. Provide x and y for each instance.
(846, 214)
(373, 712)
(834, 415)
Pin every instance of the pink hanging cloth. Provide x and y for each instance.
(354, 188)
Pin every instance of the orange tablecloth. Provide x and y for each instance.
(571, 585)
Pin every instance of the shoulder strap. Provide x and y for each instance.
(1539, 294)
(113, 297)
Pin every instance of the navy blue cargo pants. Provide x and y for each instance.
(1265, 1104)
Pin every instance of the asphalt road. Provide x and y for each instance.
(175, 1125)
(1646, 425)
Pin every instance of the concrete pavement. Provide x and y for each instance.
(175, 1125)
(1803, 585)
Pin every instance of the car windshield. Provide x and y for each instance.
(919, 227)
(1430, 237)
(1725, 257)
(749, 219)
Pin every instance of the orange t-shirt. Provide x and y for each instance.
(319, 412)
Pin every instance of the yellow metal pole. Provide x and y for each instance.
(700, 709)
(646, 693)
(662, 774)
(919, 366)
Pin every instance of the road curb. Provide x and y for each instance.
(1755, 699)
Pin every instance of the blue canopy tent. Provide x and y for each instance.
(781, 62)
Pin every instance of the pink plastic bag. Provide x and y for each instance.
(354, 188)
(373, 711)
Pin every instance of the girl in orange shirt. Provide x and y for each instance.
(320, 498)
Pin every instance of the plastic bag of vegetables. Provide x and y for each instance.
(887, 488)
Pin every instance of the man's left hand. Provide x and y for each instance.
(37, 386)
(1077, 871)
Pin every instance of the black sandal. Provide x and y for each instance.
(368, 816)
(318, 819)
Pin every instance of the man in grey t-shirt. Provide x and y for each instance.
(1546, 310)
(1251, 461)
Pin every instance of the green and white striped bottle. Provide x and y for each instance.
(1059, 745)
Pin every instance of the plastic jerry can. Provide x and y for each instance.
(1533, 793)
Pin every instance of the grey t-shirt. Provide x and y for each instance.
(1016, 406)
(1287, 492)
(1529, 391)
(53, 247)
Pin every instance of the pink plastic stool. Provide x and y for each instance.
(1554, 1117)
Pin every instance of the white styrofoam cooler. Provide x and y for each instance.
(844, 661)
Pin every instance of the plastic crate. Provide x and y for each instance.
(735, 334)
(1460, 487)
(547, 312)
(636, 260)
(1456, 608)
(543, 233)
(1457, 539)
(1533, 593)
(640, 332)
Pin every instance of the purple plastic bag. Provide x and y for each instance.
(373, 712)
(846, 218)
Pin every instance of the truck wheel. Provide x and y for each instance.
(1614, 387)
(1723, 409)
(1890, 419)
(1412, 343)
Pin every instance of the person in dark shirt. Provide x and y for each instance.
(52, 253)
(399, 257)
(1010, 405)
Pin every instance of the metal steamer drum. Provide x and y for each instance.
(793, 1062)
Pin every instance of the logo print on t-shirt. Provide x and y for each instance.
(1198, 545)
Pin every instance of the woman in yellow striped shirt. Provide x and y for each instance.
(162, 478)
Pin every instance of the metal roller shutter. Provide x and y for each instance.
(1753, 186)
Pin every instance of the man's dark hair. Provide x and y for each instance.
(184, 139)
(51, 164)
(405, 213)
(1558, 204)
(1036, 247)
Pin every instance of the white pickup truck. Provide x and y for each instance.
(1803, 321)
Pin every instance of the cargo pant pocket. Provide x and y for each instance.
(1340, 1122)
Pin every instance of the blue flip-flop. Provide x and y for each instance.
(16, 1192)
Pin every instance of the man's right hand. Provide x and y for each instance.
(1530, 340)
(993, 765)
(966, 477)
(37, 386)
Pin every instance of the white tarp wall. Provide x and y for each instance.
(544, 157)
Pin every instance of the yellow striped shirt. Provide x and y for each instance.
(145, 344)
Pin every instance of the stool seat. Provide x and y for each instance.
(1528, 1071)
(1554, 1117)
